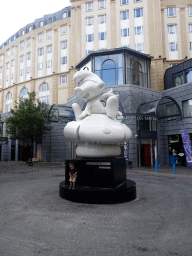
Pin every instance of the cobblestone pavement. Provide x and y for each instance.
(34, 220)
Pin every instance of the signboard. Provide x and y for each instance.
(187, 147)
(39, 151)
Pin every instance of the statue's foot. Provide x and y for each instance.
(97, 150)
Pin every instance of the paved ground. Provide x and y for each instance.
(34, 220)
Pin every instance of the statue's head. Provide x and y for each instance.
(89, 85)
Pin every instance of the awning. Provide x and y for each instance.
(57, 112)
(166, 107)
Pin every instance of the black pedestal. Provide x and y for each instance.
(100, 180)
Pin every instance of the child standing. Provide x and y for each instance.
(72, 175)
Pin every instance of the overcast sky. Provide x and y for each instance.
(15, 14)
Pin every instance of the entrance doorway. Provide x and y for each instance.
(146, 152)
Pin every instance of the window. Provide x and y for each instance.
(30, 29)
(49, 64)
(21, 72)
(12, 63)
(188, 74)
(173, 47)
(49, 48)
(190, 46)
(44, 93)
(101, 4)
(64, 60)
(137, 1)
(138, 30)
(171, 11)
(65, 15)
(21, 44)
(24, 93)
(28, 56)
(89, 6)
(23, 32)
(125, 15)
(64, 45)
(190, 28)
(41, 24)
(178, 79)
(11, 75)
(138, 13)
(171, 29)
(124, 1)
(40, 51)
(40, 66)
(102, 35)
(8, 103)
(63, 79)
(50, 20)
(49, 34)
(7, 65)
(139, 47)
(136, 73)
(89, 37)
(28, 70)
(40, 37)
(124, 32)
(187, 108)
(21, 58)
(89, 21)
(190, 10)
(12, 49)
(7, 78)
(63, 29)
(28, 41)
(102, 19)
(8, 52)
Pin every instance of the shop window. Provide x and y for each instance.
(136, 73)
(108, 72)
(178, 79)
(110, 68)
(189, 75)
(187, 108)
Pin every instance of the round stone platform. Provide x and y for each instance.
(125, 192)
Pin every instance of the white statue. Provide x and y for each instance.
(96, 130)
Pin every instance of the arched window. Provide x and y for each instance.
(8, 103)
(24, 93)
(108, 72)
(136, 73)
(44, 93)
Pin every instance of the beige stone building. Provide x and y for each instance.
(41, 56)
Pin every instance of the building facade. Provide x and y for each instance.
(43, 56)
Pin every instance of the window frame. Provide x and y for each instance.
(89, 21)
(140, 12)
(169, 12)
(124, 15)
(64, 60)
(63, 78)
(89, 6)
(101, 4)
(102, 19)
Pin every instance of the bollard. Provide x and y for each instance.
(156, 169)
(173, 168)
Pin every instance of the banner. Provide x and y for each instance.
(187, 147)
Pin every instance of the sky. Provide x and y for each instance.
(15, 14)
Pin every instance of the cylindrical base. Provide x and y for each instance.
(95, 195)
(97, 150)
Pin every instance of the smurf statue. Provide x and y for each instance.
(96, 130)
